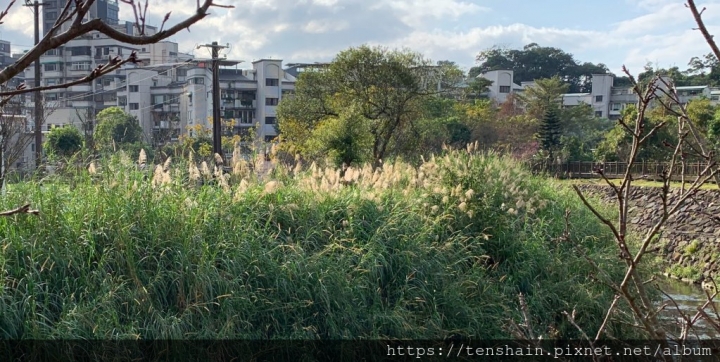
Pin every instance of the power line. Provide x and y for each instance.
(118, 87)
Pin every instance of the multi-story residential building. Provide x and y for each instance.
(79, 104)
(607, 100)
(107, 10)
(168, 102)
(502, 84)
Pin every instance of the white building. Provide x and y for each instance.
(168, 101)
(606, 100)
(78, 105)
(502, 84)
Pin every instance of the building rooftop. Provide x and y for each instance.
(691, 87)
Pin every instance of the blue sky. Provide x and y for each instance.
(613, 32)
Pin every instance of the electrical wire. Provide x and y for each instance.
(118, 87)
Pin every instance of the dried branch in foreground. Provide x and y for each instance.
(25, 209)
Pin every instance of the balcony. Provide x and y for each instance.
(81, 88)
(81, 58)
(161, 108)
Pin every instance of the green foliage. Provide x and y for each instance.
(713, 129)
(536, 62)
(63, 141)
(115, 129)
(617, 142)
(692, 248)
(545, 94)
(345, 139)
(387, 88)
(403, 253)
(582, 132)
(701, 72)
(550, 131)
(690, 272)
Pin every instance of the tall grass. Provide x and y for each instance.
(398, 252)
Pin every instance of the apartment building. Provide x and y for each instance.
(169, 101)
(107, 10)
(607, 100)
(78, 105)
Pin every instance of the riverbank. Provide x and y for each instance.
(689, 246)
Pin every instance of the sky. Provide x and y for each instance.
(612, 32)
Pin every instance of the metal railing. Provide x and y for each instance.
(639, 169)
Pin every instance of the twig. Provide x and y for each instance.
(25, 209)
(607, 317)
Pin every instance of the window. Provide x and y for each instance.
(271, 101)
(74, 51)
(49, 4)
(158, 99)
(598, 114)
(272, 82)
(270, 120)
(51, 15)
(616, 106)
(122, 101)
(598, 99)
(107, 81)
(134, 106)
(52, 52)
(134, 88)
(199, 80)
(714, 98)
(106, 51)
(50, 67)
(504, 89)
(81, 66)
(182, 72)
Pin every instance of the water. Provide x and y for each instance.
(689, 298)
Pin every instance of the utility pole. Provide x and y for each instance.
(217, 126)
(37, 95)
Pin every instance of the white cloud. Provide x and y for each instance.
(324, 26)
(315, 30)
(420, 13)
(19, 19)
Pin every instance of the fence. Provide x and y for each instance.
(647, 170)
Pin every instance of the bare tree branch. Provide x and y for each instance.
(701, 26)
(79, 29)
(25, 209)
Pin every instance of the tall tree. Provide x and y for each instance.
(116, 128)
(536, 62)
(64, 141)
(550, 131)
(386, 88)
(544, 94)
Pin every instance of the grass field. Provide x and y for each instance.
(400, 252)
(639, 183)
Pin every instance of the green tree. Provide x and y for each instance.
(115, 128)
(536, 62)
(546, 93)
(387, 88)
(550, 131)
(345, 139)
(63, 141)
(616, 143)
